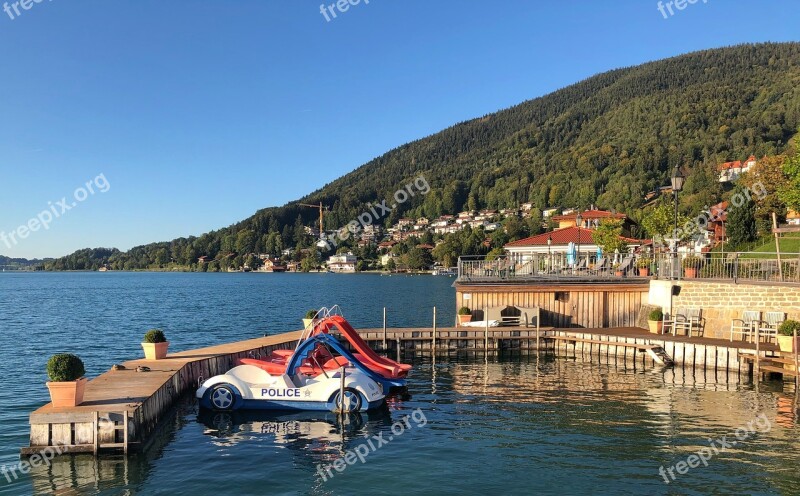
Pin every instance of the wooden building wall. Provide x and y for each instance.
(587, 305)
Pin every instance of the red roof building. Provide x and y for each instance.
(559, 241)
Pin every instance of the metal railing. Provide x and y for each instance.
(555, 266)
(737, 267)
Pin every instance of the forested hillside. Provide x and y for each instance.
(606, 141)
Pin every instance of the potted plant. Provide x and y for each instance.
(464, 315)
(643, 264)
(655, 321)
(155, 345)
(309, 318)
(67, 381)
(786, 341)
(690, 266)
(618, 272)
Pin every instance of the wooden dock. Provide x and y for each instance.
(122, 407)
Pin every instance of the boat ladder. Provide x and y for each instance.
(660, 356)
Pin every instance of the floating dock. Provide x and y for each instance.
(122, 408)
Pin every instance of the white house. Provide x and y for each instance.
(342, 263)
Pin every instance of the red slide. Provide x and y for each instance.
(384, 366)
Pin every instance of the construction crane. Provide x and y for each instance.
(322, 209)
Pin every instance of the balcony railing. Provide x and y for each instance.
(737, 267)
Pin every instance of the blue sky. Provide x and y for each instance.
(198, 113)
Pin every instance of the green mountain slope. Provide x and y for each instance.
(606, 140)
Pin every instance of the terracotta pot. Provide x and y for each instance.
(67, 394)
(155, 351)
(690, 272)
(656, 326)
(307, 323)
(644, 272)
(619, 273)
(462, 319)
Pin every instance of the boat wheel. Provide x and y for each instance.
(222, 398)
(351, 403)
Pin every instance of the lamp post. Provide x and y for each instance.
(579, 222)
(677, 185)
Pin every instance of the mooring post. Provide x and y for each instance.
(757, 374)
(433, 346)
(486, 331)
(796, 370)
(384, 328)
(341, 392)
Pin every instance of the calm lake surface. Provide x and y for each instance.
(517, 425)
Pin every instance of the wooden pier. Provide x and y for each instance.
(123, 408)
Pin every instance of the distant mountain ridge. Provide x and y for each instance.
(606, 141)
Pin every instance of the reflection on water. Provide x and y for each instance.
(511, 425)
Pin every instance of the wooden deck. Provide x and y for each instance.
(145, 396)
(125, 407)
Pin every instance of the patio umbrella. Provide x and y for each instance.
(599, 253)
(571, 253)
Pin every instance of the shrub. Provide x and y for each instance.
(65, 368)
(311, 314)
(692, 262)
(788, 327)
(656, 314)
(155, 336)
(464, 311)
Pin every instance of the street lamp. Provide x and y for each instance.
(677, 185)
(579, 221)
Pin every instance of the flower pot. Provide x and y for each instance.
(307, 323)
(787, 343)
(619, 273)
(155, 351)
(462, 319)
(656, 326)
(67, 394)
(690, 272)
(644, 272)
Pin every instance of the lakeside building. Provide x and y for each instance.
(559, 242)
(592, 218)
(272, 265)
(342, 263)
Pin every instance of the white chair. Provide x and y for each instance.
(746, 326)
(690, 320)
(770, 324)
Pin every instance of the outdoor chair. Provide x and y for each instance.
(770, 324)
(600, 266)
(625, 265)
(746, 326)
(529, 316)
(690, 320)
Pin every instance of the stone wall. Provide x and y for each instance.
(724, 301)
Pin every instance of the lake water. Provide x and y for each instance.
(517, 425)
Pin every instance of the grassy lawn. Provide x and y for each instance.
(790, 243)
